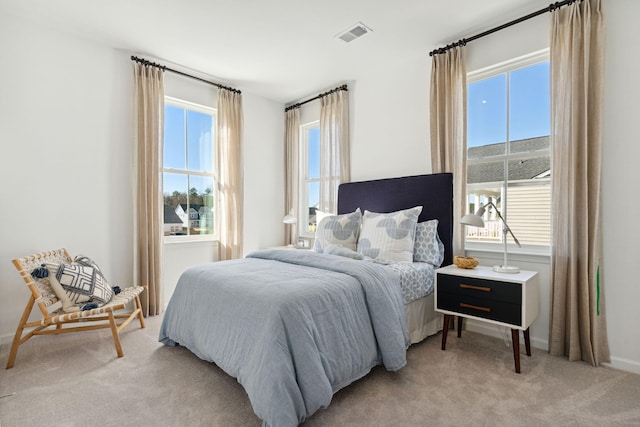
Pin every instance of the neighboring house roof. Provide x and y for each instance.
(170, 216)
(518, 169)
(196, 207)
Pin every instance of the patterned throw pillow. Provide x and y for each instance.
(82, 281)
(427, 246)
(340, 230)
(389, 237)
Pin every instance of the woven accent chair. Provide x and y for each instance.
(55, 320)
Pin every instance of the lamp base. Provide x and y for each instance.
(506, 269)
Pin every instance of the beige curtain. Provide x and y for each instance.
(230, 177)
(149, 124)
(292, 171)
(578, 328)
(449, 129)
(335, 164)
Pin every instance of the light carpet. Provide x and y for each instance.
(77, 380)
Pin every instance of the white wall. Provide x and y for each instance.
(620, 175)
(389, 111)
(65, 137)
(66, 144)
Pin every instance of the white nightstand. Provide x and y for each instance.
(509, 300)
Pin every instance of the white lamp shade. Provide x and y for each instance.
(290, 219)
(473, 220)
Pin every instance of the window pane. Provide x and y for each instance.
(314, 152)
(530, 169)
(529, 206)
(175, 202)
(313, 192)
(174, 145)
(529, 102)
(200, 204)
(485, 173)
(478, 196)
(487, 111)
(200, 141)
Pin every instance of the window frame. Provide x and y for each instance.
(303, 216)
(486, 73)
(192, 106)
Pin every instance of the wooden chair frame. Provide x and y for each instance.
(54, 319)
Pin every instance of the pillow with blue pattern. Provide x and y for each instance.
(427, 245)
(81, 281)
(389, 237)
(339, 230)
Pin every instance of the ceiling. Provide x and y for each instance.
(284, 50)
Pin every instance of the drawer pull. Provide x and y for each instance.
(477, 288)
(475, 307)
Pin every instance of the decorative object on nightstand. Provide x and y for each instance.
(291, 220)
(465, 261)
(477, 221)
(509, 300)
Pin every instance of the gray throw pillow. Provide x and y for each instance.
(340, 230)
(389, 237)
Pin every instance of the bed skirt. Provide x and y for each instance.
(422, 320)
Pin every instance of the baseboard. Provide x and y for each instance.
(494, 331)
(624, 364)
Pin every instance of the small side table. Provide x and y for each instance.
(509, 300)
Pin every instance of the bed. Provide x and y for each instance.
(434, 192)
(293, 327)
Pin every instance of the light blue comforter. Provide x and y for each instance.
(292, 326)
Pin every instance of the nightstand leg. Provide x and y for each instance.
(527, 341)
(445, 329)
(515, 337)
(460, 326)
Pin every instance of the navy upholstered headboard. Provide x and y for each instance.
(433, 192)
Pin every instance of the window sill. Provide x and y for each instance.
(207, 241)
(495, 252)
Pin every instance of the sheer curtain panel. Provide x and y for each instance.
(578, 327)
(448, 123)
(335, 164)
(292, 169)
(230, 178)
(149, 125)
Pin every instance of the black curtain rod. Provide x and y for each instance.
(300, 104)
(463, 42)
(165, 68)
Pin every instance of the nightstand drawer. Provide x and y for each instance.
(480, 288)
(499, 311)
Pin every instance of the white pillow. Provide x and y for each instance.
(427, 245)
(320, 215)
(340, 230)
(389, 237)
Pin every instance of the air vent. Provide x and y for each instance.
(356, 31)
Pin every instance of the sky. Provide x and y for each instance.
(314, 165)
(197, 155)
(528, 106)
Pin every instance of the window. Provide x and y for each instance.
(310, 177)
(188, 169)
(508, 149)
